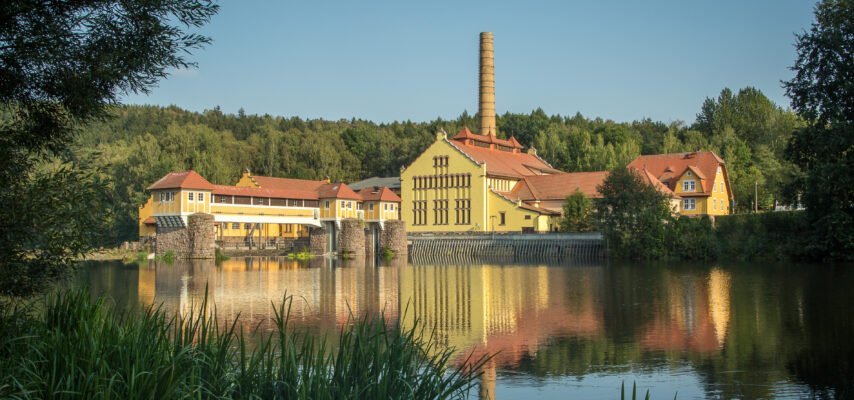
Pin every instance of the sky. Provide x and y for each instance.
(405, 60)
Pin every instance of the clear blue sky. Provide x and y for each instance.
(401, 60)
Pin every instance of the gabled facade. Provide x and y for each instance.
(461, 184)
(699, 180)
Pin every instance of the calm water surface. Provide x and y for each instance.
(560, 331)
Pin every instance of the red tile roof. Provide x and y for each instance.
(558, 186)
(667, 168)
(337, 190)
(499, 162)
(183, 180)
(509, 197)
(652, 180)
(265, 192)
(378, 194)
(465, 134)
(150, 221)
(286, 183)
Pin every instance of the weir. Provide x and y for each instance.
(454, 248)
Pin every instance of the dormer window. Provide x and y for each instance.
(689, 186)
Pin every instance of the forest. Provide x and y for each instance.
(139, 144)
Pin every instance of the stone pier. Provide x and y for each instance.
(195, 240)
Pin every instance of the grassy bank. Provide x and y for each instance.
(72, 346)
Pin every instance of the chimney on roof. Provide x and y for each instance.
(326, 179)
(486, 100)
(532, 151)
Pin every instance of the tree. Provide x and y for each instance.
(822, 93)
(576, 213)
(63, 64)
(633, 216)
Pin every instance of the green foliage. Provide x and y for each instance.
(387, 253)
(301, 255)
(219, 256)
(168, 257)
(692, 239)
(633, 216)
(577, 213)
(822, 93)
(73, 345)
(770, 236)
(62, 65)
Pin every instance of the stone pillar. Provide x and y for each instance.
(196, 240)
(393, 237)
(201, 236)
(369, 240)
(171, 239)
(351, 239)
(317, 238)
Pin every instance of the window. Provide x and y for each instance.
(202, 197)
(371, 207)
(385, 207)
(247, 226)
(235, 225)
(719, 169)
(689, 186)
(190, 196)
(502, 218)
(689, 204)
(527, 217)
(714, 204)
(326, 204)
(722, 187)
(688, 173)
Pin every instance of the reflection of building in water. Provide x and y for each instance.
(696, 314)
(492, 308)
(719, 283)
(249, 287)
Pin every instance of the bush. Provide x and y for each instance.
(772, 235)
(692, 239)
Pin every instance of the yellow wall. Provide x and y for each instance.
(514, 217)
(338, 208)
(698, 188)
(267, 230)
(246, 181)
(146, 211)
(195, 206)
(166, 207)
(458, 163)
(721, 197)
(706, 204)
(383, 210)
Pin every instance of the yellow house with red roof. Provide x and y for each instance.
(698, 180)
(259, 208)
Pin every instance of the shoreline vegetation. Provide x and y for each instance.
(69, 344)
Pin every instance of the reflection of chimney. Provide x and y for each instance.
(487, 85)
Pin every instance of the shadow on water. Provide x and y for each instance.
(704, 330)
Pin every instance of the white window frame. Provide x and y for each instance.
(689, 204)
(371, 207)
(326, 204)
(688, 173)
(200, 197)
(714, 204)
(689, 185)
(722, 187)
(190, 197)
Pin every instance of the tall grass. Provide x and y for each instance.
(73, 347)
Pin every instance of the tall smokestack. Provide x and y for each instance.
(486, 102)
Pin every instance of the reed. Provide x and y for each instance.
(70, 346)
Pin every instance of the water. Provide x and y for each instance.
(567, 331)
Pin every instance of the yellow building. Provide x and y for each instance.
(463, 184)
(699, 180)
(260, 209)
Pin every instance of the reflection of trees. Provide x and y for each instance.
(744, 329)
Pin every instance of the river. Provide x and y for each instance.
(723, 330)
